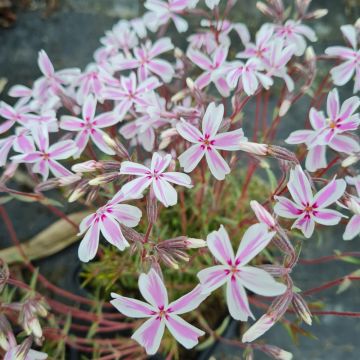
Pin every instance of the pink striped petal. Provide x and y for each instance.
(299, 186)
(259, 328)
(219, 245)
(42, 167)
(327, 217)
(222, 86)
(259, 281)
(86, 223)
(178, 178)
(212, 119)
(136, 187)
(186, 334)
(62, 149)
(132, 168)
(217, 165)
(306, 224)
(255, 239)
(299, 136)
(57, 169)
(45, 64)
(188, 131)
(106, 119)
(220, 55)
(350, 34)
(286, 208)
(250, 82)
(333, 104)
(316, 158)
(41, 137)
(188, 302)
(27, 158)
(149, 334)
(262, 214)
(159, 163)
(203, 80)
(164, 192)
(345, 144)
(237, 300)
(229, 140)
(341, 52)
(352, 228)
(131, 307)
(342, 73)
(162, 68)
(199, 59)
(81, 140)
(191, 157)
(153, 290)
(97, 137)
(112, 232)
(71, 123)
(213, 277)
(149, 84)
(126, 214)
(330, 193)
(89, 244)
(89, 108)
(317, 119)
(160, 46)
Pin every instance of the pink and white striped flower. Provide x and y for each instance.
(156, 177)
(234, 271)
(213, 69)
(208, 142)
(341, 74)
(163, 11)
(89, 126)
(293, 33)
(46, 158)
(145, 60)
(329, 131)
(306, 208)
(13, 114)
(353, 203)
(130, 93)
(160, 313)
(106, 220)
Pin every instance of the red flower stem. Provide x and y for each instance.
(329, 284)
(325, 259)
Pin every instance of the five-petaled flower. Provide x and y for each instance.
(90, 126)
(156, 177)
(342, 73)
(331, 131)
(234, 271)
(161, 314)
(208, 142)
(45, 158)
(308, 209)
(106, 220)
(353, 203)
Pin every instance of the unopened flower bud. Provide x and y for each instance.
(116, 145)
(301, 308)
(68, 180)
(281, 153)
(78, 193)
(276, 352)
(316, 14)
(353, 205)
(352, 159)
(104, 179)
(9, 172)
(21, 351)
(168, 260)
(193, 243)
(132, 235)
(253, 148)
(181, 255)
(178, 53)
(190, 84)
(110, 165)
(166, 137)
(275, 270)
(86, 166)
(266, 10)
(4, 274)
(284, 107)
(152, 207)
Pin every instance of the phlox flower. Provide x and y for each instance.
(329, 131)
(250, 74)
(163, 11)
(293, 33)
(341, 74)
(156, 177)
(145, 60)
(211, 68)
(353, 226)
(208, 142)
(52, 82)
(46, 158)
(234, 271)
(12, 114)
(21, 141)
(160, 313)
(306, 208)
(130, 93)
(263, 215)
(261, 46)
(106, 220)
(89, 126)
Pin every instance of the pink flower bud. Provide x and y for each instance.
(254, 148)
(68, 180)
(281, 153)
(104, 179)
(86, 166)
(192, 243)
(301, 308)
(275, 352)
